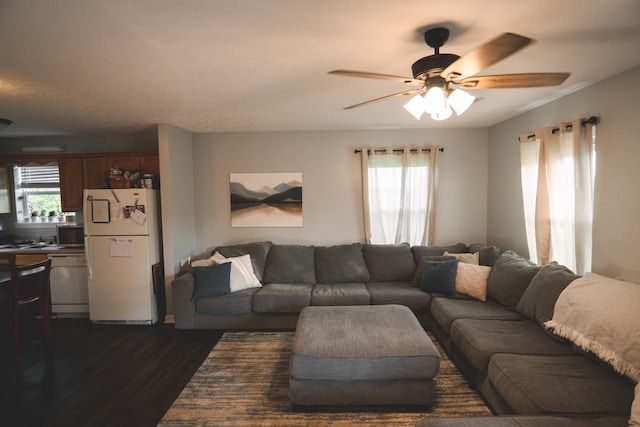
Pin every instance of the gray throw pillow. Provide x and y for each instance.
(389, 263)
(510, 276)
(417, 278)
(539, 299)
(257, 250)
(211, 281)
(290, 264)
(439, 277)
(341, 264)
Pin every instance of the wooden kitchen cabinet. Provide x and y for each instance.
(125, 163)
(150, 164)
(94, 172)
(77, 172)
(71, 184)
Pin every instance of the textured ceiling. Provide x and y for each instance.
(99, 67)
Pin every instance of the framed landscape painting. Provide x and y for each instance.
(266, 199)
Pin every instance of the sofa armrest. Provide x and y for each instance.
(184, 308)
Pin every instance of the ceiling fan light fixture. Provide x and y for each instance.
(442, 115)
(435, 101)
(460, 101)
(415, 106)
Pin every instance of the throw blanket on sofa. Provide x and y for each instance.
(602, 315)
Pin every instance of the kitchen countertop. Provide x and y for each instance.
(39, 249)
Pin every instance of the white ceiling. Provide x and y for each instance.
(71, 67)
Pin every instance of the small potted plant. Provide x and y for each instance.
(35, 216)
(51, 216)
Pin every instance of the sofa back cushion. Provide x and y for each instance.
(510, 276)
(488, 254)
(341, 264)
(540, 297)
(389, 263)
(290, 264)
(421, 251)
(257, 250)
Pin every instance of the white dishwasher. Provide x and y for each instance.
(69, 285)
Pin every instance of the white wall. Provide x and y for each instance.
(332, 197)
(617, 191)
(177, 199)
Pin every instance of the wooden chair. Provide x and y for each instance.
(29, 299)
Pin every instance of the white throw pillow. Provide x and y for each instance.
(634, 421)
(242, 275)
(472, 279)
(208, 262)
(467, 258)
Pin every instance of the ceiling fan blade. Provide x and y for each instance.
(383, 98)
(499, 81)
(485, 55)
(401, 79)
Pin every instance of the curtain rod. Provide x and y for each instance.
(399, 150)
(593, 120)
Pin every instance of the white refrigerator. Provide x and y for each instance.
(122, 242)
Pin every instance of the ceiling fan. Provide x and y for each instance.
(440, 78)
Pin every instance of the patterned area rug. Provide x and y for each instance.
(244, 382)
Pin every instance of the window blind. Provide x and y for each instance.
(39, 176)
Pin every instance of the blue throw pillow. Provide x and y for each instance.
(439, 277)
(212, 281)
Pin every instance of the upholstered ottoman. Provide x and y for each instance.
(361, 355)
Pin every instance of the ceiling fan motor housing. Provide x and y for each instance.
(432, 65)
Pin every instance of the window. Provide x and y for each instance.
(399, 195)
(558, 173)
(37, 192)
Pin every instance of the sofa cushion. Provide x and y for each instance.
(401, 293)
(282, 298)
(488, 254)
(420, 251)
(290, 264)
(417, 278)
(340, 294)
(211, 281)
(444, 311)
(341, 264)
(472, 279)
(236, 303)
(388, 263)
(478, 340)
(439, 277)
(510, 276)
(539, 298)
(257, 250)
(559, 385)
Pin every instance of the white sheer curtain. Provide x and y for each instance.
(558, 171)
(399, 195)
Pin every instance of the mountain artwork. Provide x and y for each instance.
(266, 199)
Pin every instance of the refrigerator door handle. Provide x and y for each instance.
(87, 252)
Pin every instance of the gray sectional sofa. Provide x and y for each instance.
(500, 344)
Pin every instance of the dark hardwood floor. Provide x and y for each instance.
(105, 375)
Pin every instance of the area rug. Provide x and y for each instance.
(244, 382)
